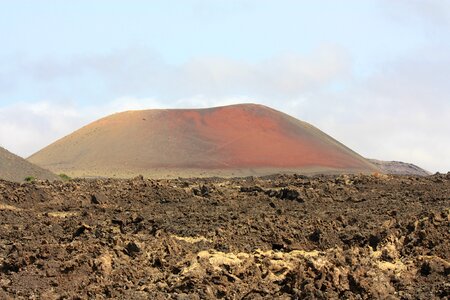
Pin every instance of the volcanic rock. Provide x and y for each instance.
(398, 168)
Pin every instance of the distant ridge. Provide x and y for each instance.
(236, 140)
(15, 168)
(399, 168)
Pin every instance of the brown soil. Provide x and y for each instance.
(15, 168)
(280, 237)
(243, 139)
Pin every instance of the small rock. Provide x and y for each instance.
(435, 265)
(4, 282)
(204, 190)
(315, 236)
(98, 198)
(81, 230)
(138, 178)
(132, 249)
(162, 285)
(251, 189)
(104, 264)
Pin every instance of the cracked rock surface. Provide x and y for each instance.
(277, 237)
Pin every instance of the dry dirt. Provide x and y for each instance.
(280, 237)
(205, 140)
(15, 168)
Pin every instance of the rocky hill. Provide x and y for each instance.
(399, 168)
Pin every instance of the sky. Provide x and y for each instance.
(374, 75)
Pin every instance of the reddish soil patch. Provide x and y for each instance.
(280, 237)
(230, 137)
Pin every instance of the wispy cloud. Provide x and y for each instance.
(24, 127)
(400, 112)
(140, 71)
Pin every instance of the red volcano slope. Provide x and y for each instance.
(244, 139)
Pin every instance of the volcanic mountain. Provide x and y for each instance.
(399, 168)
(15, 168)
(236, 140)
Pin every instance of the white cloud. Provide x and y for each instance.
(26, 127)
(400, 113)
(137, 71)
(423, 141)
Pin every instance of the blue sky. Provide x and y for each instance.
(372, 74)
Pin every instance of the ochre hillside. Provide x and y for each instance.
(15, 168)
(236, 140)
